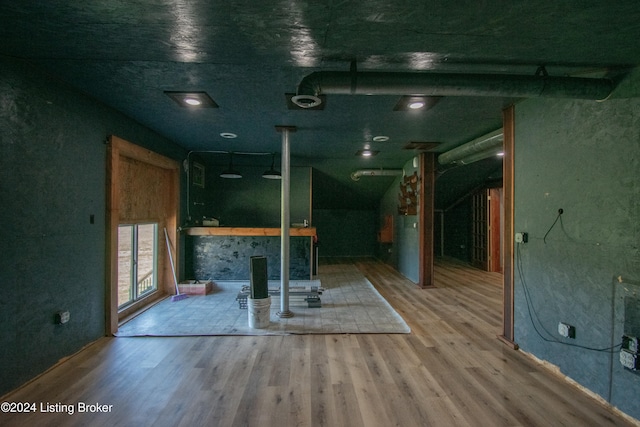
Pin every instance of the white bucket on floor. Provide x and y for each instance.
(259, 312)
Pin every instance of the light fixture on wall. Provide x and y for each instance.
(230, 172)
(272, 173)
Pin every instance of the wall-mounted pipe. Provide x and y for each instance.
(375, 172)
(448, 84)
(477, 149)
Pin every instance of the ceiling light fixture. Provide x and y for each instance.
(366, 153)
(272, 173)
(381, 138)
(228, 135)
(192, 99)
(415, 103)
(230, 172)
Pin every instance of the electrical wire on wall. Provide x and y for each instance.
(533, 315)
(559, 217)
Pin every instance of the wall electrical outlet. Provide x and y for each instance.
(522, 237)
(62, 317)
(566, 330)
(630, 343)
(629, 360)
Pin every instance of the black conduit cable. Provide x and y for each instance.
(560, 211)
(529, 301)
(531, 309)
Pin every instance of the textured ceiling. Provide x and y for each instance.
(248, 54)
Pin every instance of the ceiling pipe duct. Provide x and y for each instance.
(477, 149)
(375, 172)
(447, 84)
(479, 156)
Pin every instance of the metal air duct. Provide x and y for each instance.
(375, 172)
(448, 84)
(477, 149)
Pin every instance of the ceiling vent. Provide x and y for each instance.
(292, 105)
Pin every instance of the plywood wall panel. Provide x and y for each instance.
(142, 191)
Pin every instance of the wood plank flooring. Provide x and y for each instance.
(450, 371)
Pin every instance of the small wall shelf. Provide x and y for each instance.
(408, 197)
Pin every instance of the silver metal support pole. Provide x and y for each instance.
(285, 218)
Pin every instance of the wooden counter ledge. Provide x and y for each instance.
(246, 231)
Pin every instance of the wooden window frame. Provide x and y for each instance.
(118, 148)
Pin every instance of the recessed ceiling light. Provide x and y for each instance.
(228, 135)
(416, 102)
(366, 153)
(192, 99)
(381, 138)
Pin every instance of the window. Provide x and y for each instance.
(137, 262)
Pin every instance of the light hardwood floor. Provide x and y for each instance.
(450, 371)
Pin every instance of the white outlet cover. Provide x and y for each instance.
(628, 359)
(563, 329)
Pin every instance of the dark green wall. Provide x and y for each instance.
(457, 231)
(52, 182)
(345, 232)
(403, 253)
(582, 157)
(251, 201)
(255, 202)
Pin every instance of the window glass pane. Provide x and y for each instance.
(146, 280)
(125, 264)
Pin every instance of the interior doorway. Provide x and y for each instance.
(486, 229)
